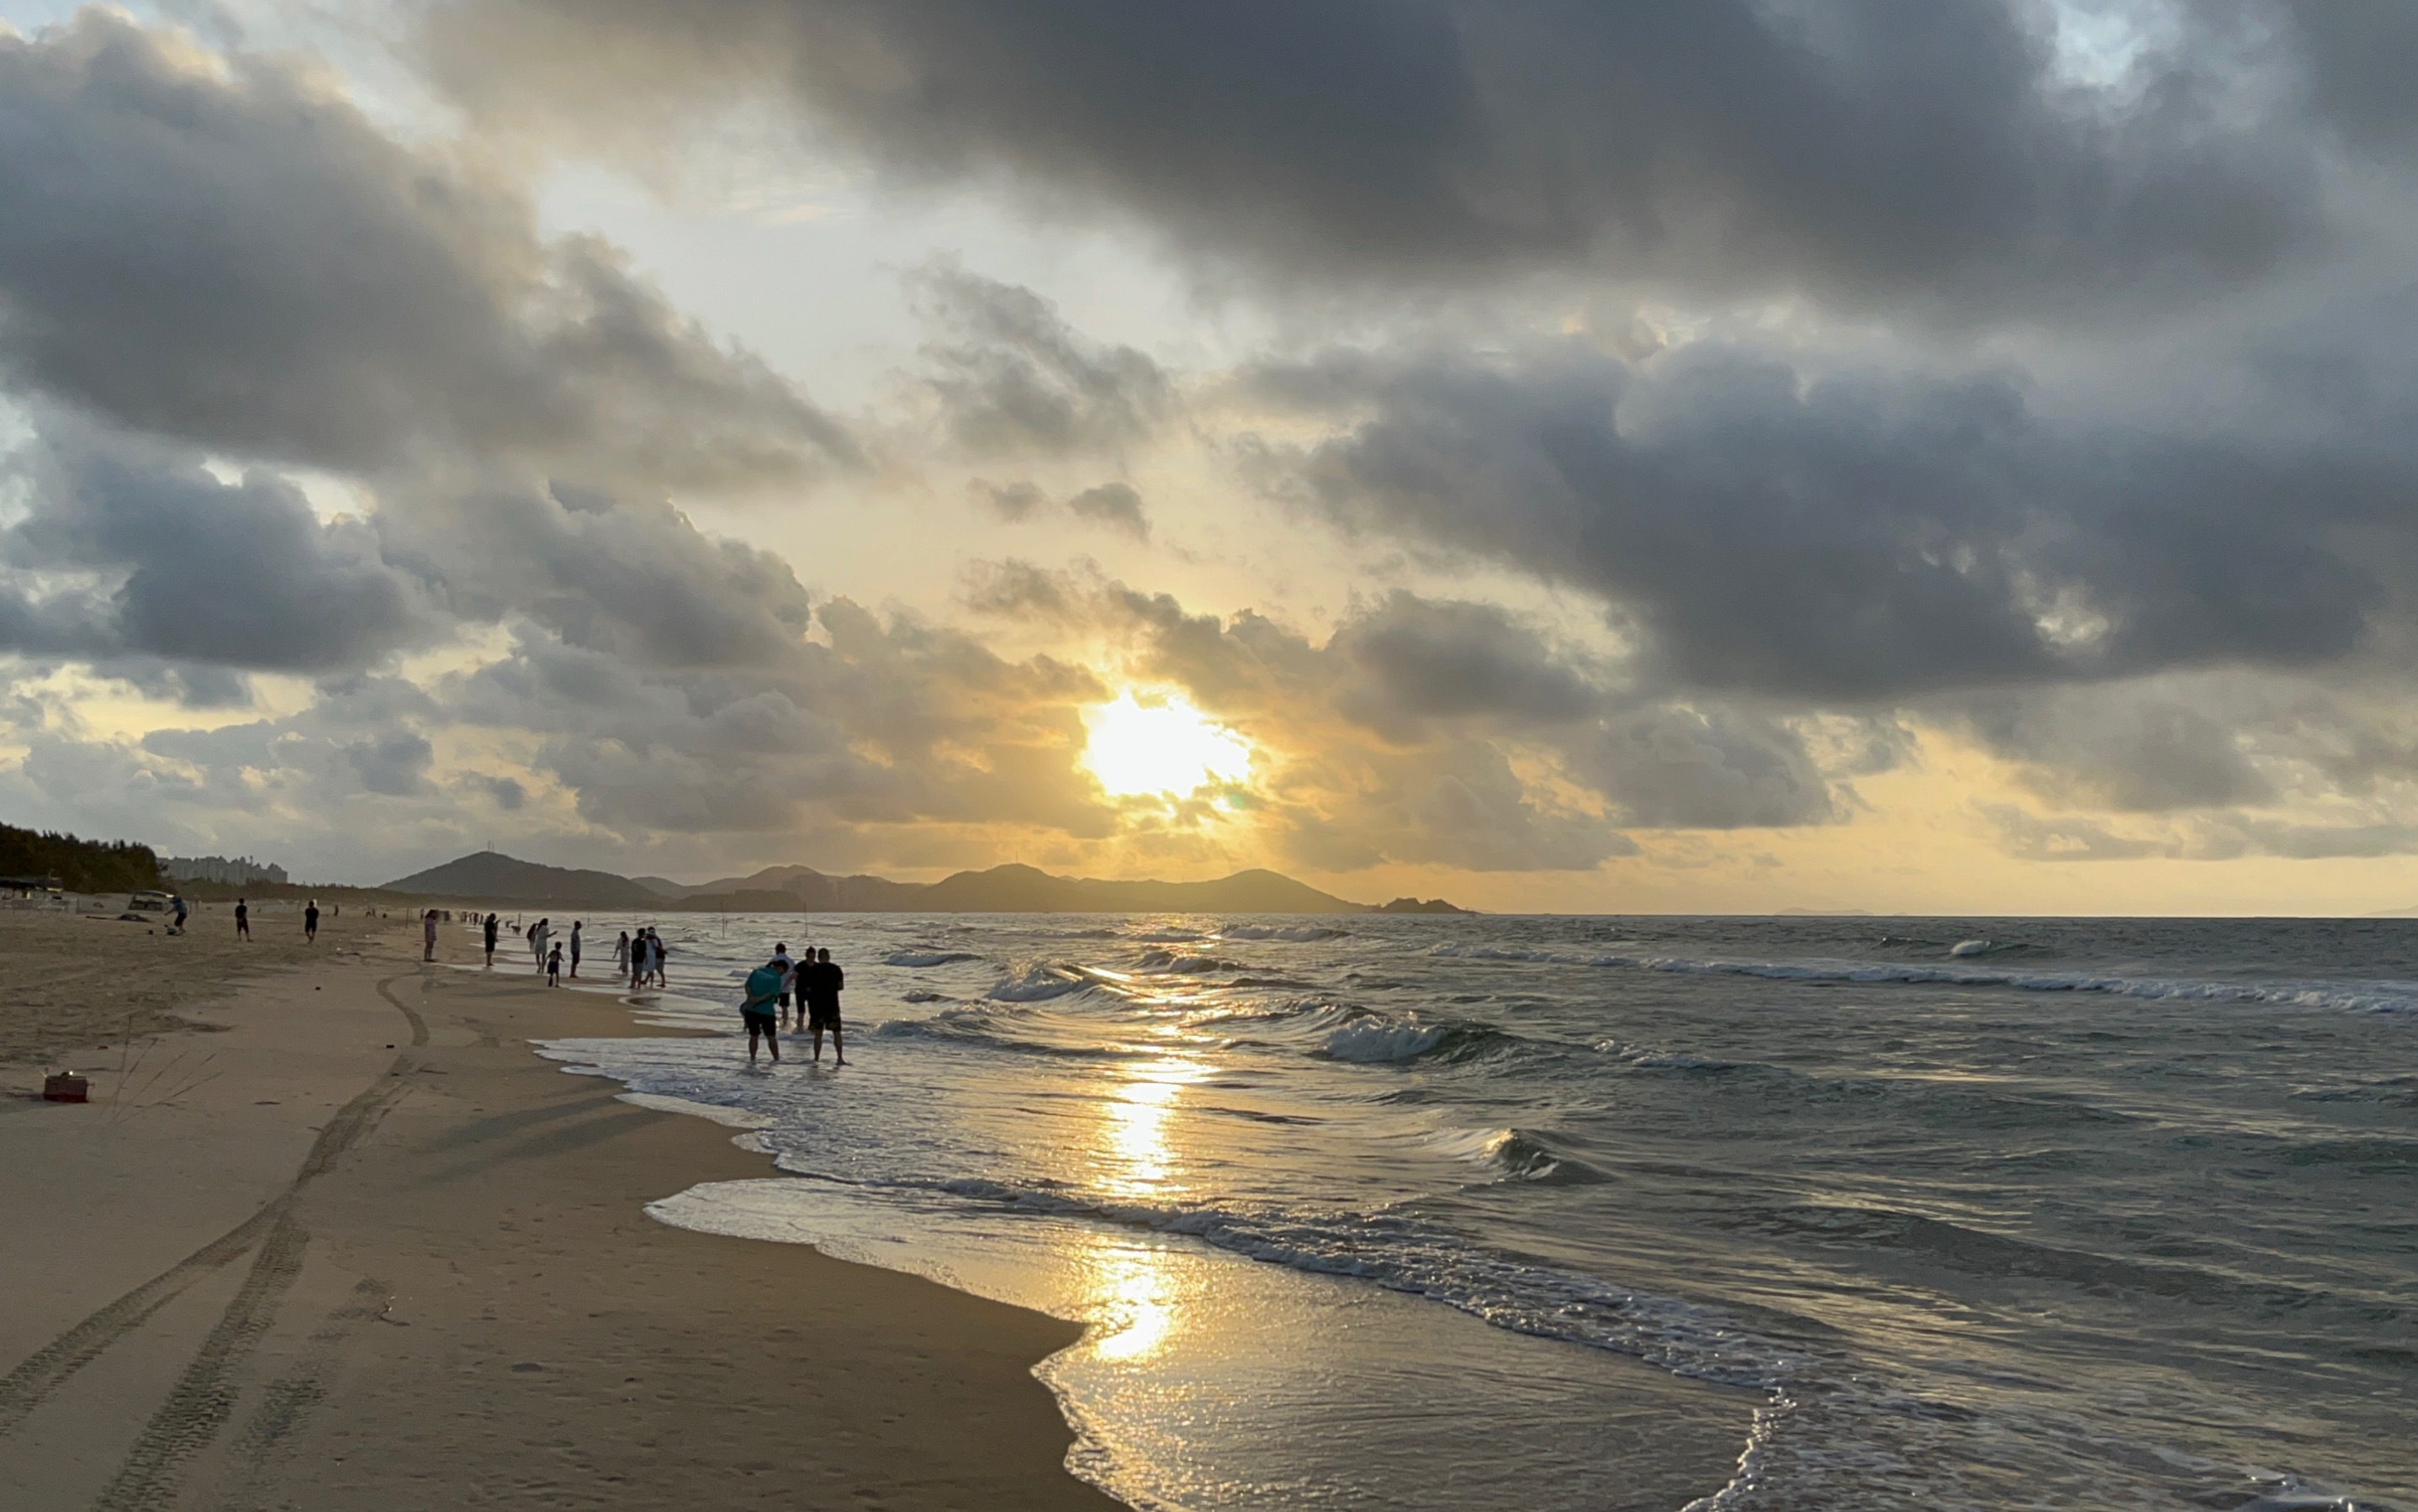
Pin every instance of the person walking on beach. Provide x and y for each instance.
(490, 928)
(621, 954)
(822, 990)
(755, 1009)
(554, 967)
(428, 935)
(637, 960)
(243, 920)
(311, 922)
(537, 937)
(574, 949)
(788, 980)
(177, 901)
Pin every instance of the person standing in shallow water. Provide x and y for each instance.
(621, 954)
(788, 979)
(243, 920)
(755, 1009)
(537, 938)
(574, 949)
(311, 922)
(822, 990)
(490, 927)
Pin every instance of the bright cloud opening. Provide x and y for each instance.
(1164, 746)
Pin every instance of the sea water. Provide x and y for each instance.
(1543, 1214)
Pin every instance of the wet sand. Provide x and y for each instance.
(353, 1246)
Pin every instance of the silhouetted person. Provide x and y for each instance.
(428, 935)
(822, 1004)
(575, 927)
(554, 967)
(490, 927)
(243, 920)
(788, 980)
(311, 922)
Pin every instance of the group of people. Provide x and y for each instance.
(243, 918)
(641, 955)
(813, 984)
(801, 995)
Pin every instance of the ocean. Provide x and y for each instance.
(1602, 1213)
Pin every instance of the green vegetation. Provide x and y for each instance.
(81, 865)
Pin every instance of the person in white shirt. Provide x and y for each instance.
(789, 970)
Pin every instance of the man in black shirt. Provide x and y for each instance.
(822, 983)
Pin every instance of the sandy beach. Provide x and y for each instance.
(345, 1242)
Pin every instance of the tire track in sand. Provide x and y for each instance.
(40, 1374)
(286, 1401)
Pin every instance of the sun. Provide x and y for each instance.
(1165, 746)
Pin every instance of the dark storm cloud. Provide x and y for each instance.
(394, 765)
(634, 578)
(215, 249)
(1856, 147)
(2125, 748)
(1837, 534)
(1011, 376)
(2359, 55)
(1422, 659)
(133, 550)
(1704, 768)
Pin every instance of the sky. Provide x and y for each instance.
(1673, 456)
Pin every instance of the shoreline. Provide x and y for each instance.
(383, 1253)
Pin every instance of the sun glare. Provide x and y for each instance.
(1164, 746)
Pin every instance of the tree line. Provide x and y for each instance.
(81, 865)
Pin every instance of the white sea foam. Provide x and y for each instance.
(1039, 983)
(1376, 1038)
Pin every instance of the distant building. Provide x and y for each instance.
(219, 869)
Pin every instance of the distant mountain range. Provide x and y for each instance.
(488, 876)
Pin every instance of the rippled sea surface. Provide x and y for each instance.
(1408, 1211)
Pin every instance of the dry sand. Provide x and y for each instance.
(352, 1245)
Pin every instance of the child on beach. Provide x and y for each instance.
(554, 967)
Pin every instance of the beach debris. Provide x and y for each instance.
(65, 1087)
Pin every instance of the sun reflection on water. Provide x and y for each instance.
(1129, 1283)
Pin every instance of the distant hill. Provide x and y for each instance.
(1011, 889)
(79, 865)
(1014, 889)
(485, 875)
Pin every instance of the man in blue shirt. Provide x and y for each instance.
(756, 1010)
